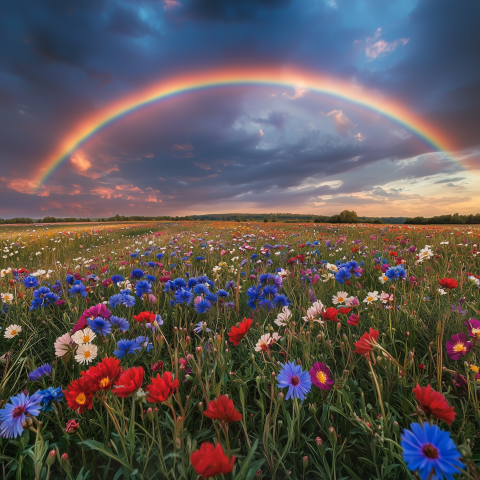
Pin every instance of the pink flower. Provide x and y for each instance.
(458, 346)
(63, 345)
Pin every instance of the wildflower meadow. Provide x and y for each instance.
(239, 351)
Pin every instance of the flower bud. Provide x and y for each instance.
(319, 441)
(332, 435)
(150, 414)
(305, 461)
(339, 326)
(396, 427)
(51, 458)
(65, 462)
(280, 397)
(258, 475)
(200, 407)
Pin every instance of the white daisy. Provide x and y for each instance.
(83, 336)
(86, 353)
(315, 310)
(12, 331)
(264, 343)
(340, 297)
(371, 297)
(7, 297)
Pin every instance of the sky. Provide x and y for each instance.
(245, 147)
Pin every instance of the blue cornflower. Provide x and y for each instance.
(179, 283)
(430, 448)
(126, 291)
(70, 279)
(211, 297)
(192, 282)
(50, 395)
(121, 323)
(222, 293)
(151, 278)
(342, 275)
(281, 300)
(128, 300)
(266, 304)
(201, 289)
(117, 278)
(199, 327)
(297, 381)
(115, 300)
(199, 259)
(39, 372)
(134, 255)
(230, 285)
(144, 342)
(268, 292)
(203, 306)
(100, 325)
(160, 255)
(13, 415)
(30, 282)
(42, 297)
(254, 256)
(78, 287)
(137, 273)
(142, 287)
(394, 273)
(183, 296)
(229, 305)
(126, 347)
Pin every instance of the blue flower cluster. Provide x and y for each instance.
(43, 297)
(346, 270)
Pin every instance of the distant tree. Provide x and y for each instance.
(265, 220)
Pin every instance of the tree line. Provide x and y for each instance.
(446, 220)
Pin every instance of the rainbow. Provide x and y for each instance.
(228, 76)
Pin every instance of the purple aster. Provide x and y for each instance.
(297, 381)
(13, 415)
(458, 346)
(321, 377)
(39, 372)
(473, 327)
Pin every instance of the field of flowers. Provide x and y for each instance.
(239, 351)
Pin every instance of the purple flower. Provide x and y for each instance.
(321, 377)
(39, 372)
(473, 327)
(458, 346)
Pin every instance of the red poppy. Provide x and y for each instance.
(448, 283)
(330, 314)
(393, 254)
(434, 404)
(145, 316)
(157, 366)
(161, 389)
(223, 409)
(237, 333)
(129, 382)
(422, 367)
(353, 320)
(210, 461)
(78, 395)
(104, 374)
(367, 342)
(344, 310)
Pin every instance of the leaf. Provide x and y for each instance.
(94, 445)
(246, 462)
(351, 472)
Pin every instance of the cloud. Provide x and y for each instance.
(446, 180)
(341, 122)
(300, 91)
(376, 47)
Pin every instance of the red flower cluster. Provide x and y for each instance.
(344, 310)
(223, 409)
(330, 314)
(129, 382)
(210, 461)
(353, 320)
(145, 317)
(448, 283)
(79, 393)
(161, 389)
(237, 333)
(367, 342)
(434, 404)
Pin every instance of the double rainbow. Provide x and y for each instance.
(276, 77)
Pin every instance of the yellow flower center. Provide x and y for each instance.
(369, 299)
(321, 377)
(104, 382)
(86, 338)
(340, 299)
(86, 354)
(13, 332)
(81, 398)
(459, 347)
(476, 332)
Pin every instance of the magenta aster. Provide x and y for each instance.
(458, 346)
(473, 327)
(321, 377)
